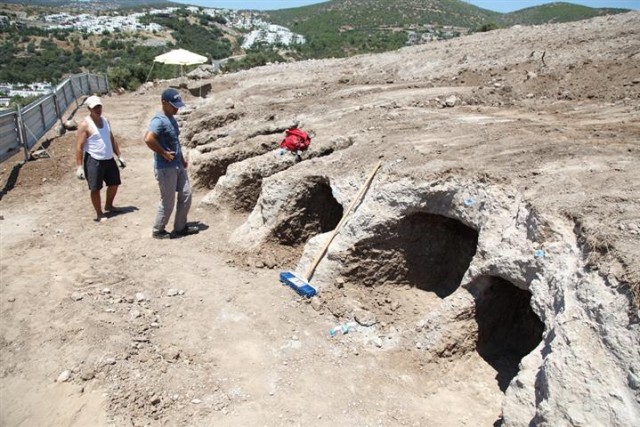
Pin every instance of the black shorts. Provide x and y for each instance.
(99, 171)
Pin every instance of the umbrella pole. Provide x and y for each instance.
(149, 75)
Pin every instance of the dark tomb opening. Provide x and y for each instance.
(508, 329)
(313, 211)
(427, 251)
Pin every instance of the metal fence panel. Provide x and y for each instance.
(49, 113)
(64, 96)
(25, 127)
(33, 121)
(9, 139)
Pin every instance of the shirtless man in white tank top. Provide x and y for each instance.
(95, 150)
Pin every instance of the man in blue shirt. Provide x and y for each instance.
(163, 138)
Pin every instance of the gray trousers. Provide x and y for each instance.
(172, 181)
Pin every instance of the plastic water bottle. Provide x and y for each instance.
(344, 328)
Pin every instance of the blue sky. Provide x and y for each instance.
(495, 5)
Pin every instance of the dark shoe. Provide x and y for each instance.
(187, 231)
(164, 234)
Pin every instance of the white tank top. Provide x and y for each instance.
(99, 145)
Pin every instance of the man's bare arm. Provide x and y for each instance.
(81, 138)
(152, 142)
(116, 147)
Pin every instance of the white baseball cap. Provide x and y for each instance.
(93, 101)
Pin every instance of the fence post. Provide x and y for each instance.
(73, 91)
(57, 108)
(21, 134)
(61, 131)
(44, 122)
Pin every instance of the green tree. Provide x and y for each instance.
(487, 27)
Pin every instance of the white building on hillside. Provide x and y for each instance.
(263, 32)
(272, 34)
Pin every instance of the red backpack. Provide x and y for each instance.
(296, 140)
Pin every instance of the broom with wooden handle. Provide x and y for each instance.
(355, 201)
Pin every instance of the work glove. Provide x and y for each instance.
(80, 172)
(121, 162)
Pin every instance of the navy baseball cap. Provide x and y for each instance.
(172, 96)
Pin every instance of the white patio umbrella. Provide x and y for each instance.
(179, 57)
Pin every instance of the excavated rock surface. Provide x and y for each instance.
(507, 181)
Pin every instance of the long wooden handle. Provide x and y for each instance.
(320, 255)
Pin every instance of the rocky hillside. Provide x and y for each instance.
(553, 13)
